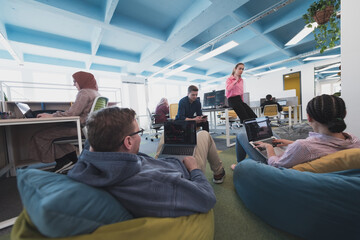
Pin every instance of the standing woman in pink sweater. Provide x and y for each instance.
(235, 94)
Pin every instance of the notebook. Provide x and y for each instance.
(259, 129)
(25, 110)
(179, 139)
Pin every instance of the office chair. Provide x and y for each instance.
(173, 109)
(99, 103)
(271, 111)
(233, 118)
(153, 126)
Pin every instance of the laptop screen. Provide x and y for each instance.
(258, 129)
(282, 102)
(23, 107)
(180, 132)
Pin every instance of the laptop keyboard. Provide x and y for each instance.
(270, 140)
(178, 150)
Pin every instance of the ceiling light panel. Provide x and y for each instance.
(218, 51)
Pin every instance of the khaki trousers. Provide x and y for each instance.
(205, 151)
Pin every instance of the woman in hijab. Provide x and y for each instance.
(42, 147)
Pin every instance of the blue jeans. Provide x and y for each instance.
(243, 147)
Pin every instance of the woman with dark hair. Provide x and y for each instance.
(42, 147)
(235, 94)
(325, 115)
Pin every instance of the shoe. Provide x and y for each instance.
(220, 177)
(65, 169)
(65, 161)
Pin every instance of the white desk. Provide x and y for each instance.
(212, 112)
(7, 123)
(295, 108)
(257, 111)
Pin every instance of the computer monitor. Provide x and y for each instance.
(262, 100)
(220, 98)
(209, 99)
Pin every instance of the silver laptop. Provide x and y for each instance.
(179, 139)
(259, 129)
(25, 110)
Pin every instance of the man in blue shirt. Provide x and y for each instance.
(190, 109)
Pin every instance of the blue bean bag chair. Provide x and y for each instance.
(308, 205)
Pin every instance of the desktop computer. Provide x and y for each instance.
(209, 100)
(220, 98)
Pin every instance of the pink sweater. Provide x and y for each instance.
(234, 88)
(313, 147)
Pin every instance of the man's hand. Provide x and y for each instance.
(198, 119)
(44, 115)
(190, 163)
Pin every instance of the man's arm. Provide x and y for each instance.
(195, 194)
(198, 108)
(181, 111)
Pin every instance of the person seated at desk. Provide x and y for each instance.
(147, 187)
(326, 115)
(270, 101)
(190, 109)
(162, 111)
(42, 147)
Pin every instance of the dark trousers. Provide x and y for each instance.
(204, 125)
(242, 109)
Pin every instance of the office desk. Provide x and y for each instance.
(25, 128)
(212, 112)
(295, 108)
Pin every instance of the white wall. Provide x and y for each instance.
(350, 50)
(272, 83)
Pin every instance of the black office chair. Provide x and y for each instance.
(153, 126)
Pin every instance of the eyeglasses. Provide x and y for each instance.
(140, 132)
(241, 68)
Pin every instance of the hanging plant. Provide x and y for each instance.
(327, 32)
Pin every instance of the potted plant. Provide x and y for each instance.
(327, 31)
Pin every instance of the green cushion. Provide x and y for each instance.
(60, 206)
(197, 226)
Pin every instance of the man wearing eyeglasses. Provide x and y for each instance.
(145, 186)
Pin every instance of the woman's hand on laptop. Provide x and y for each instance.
(190, 163)
(269, 148)
(282, 142)
(44, 115)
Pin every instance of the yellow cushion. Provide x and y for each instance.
(339, 161)
(196, 226)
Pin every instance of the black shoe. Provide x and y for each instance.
(65, 161)
(220, 177)
(65, 168)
